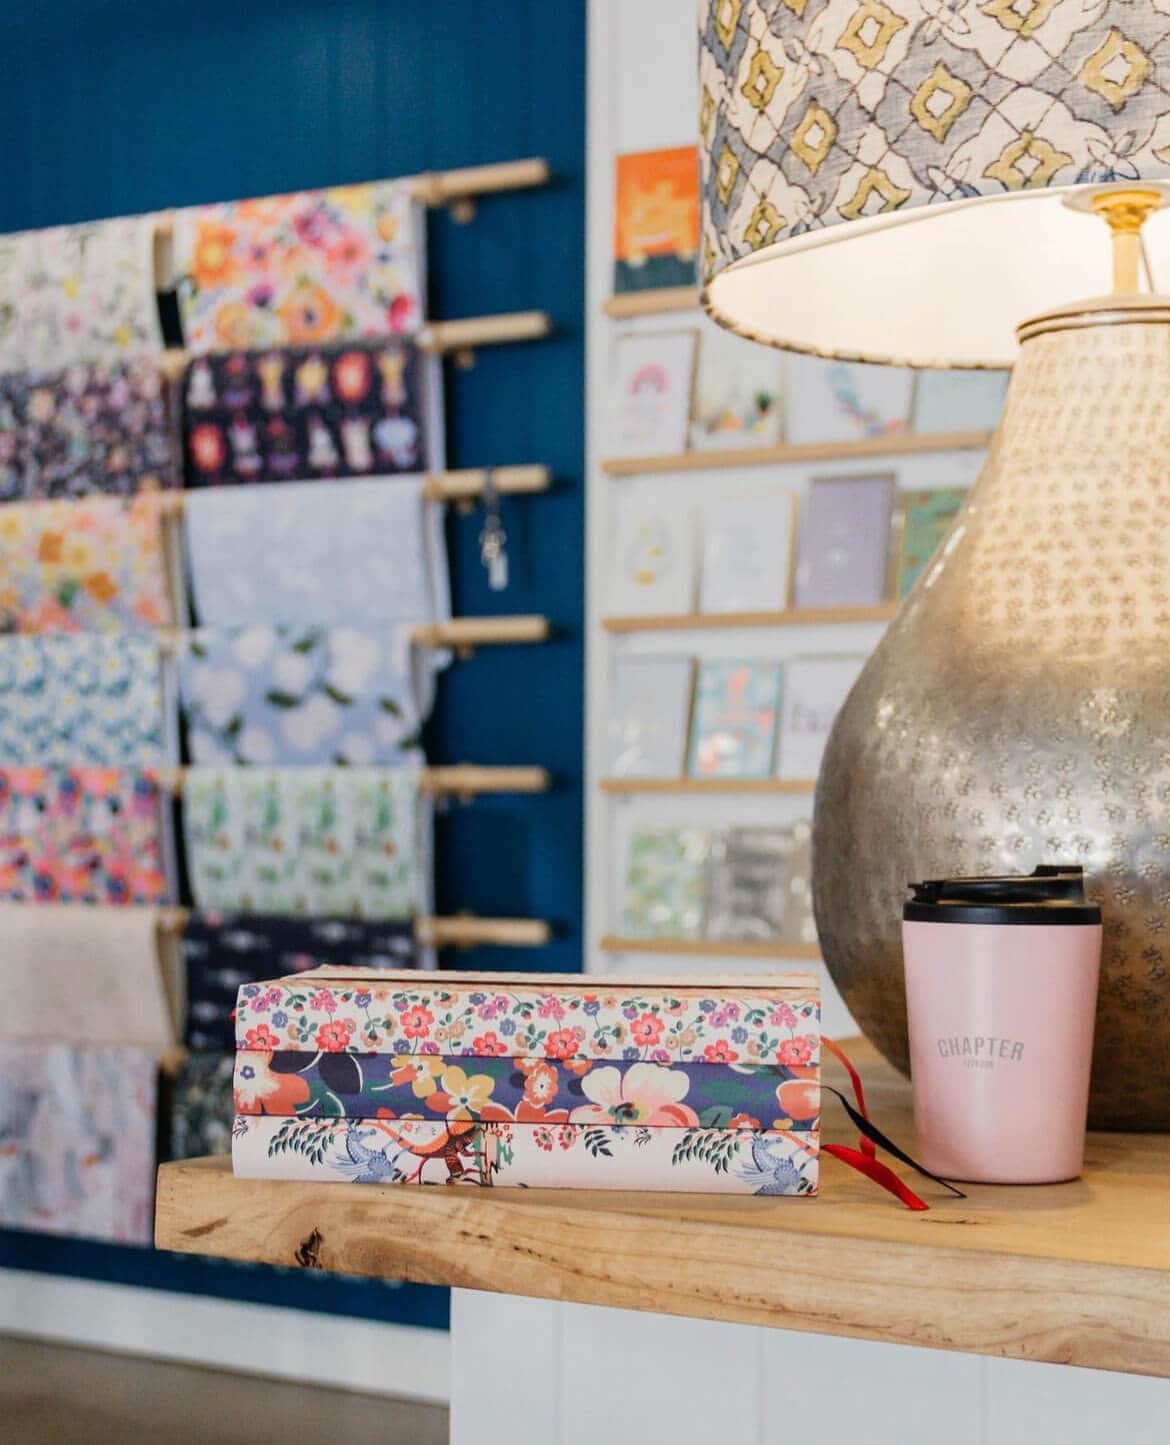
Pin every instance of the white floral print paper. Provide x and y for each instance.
(299, 695)
(78, 294)
(325, 555)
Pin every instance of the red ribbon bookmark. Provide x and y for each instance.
(864, 1158)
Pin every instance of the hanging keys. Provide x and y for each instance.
(493, 540)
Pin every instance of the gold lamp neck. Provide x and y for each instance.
(1126, 212)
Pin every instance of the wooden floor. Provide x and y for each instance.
(51, 1395)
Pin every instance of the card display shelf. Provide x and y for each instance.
(1067, 1273)
(789, 617)
(701, 786)
(897, 445)
(627, 304)
(709, 947)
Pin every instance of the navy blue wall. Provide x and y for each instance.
(116, 106)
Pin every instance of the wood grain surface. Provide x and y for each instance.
(1075, 1273)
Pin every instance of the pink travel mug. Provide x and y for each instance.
(1001, 993)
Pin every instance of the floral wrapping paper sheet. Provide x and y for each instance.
(528, 1156)
(78, 293)
(223, 951)
(323, 841)
(80, 566)
(96, 427)
(201, 1106)
(301, 269)
(81, 835)
(365, 1017)
(274, 416)
(533, 1091)
(92, 699)
(380, 547)
(77, 1140)
(300, 695)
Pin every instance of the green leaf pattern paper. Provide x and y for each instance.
(665, 882)
(348, 842)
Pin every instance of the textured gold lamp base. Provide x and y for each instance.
(1017, 710)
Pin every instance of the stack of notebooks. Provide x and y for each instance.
(530, 1080)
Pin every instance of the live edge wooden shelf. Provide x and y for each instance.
(1072, 1274)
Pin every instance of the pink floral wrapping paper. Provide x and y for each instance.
(547, 1018)
(77, 566)
(532, 1156)
(77, 1140)
(301, 269)
(81, 835)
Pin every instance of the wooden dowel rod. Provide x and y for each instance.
(466, 931)
(460, 485)
(473, 631)
(436, 337)
(462, 780)
(474, 331)
(458, 632)
(455, 486)
(438, 188)
(463, 930)
(465, 780)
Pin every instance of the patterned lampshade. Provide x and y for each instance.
(832, 129)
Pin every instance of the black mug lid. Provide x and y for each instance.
(1053, 893)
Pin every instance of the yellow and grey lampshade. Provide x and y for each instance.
(833, 130)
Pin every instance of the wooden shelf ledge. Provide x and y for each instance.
(1070, 1273)
(900, 445)
(790, 617)
(651, 303)
(708, 947)
(708, 785)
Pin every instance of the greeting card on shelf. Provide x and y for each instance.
(844, 542)
(799, 923)
(747, 554)
(747, 890)
(958, 400)
(927, 519)
(654, 559)
(665, 882)
(652, 393)
(734, 729)
(656, 219)
(739, 392)
(843, 401)
(650, 713)
(814, 689)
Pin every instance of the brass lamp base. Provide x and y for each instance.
(1017, 711)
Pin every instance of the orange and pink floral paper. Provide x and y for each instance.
(85, 565)
(301, 269)
(81, 835)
